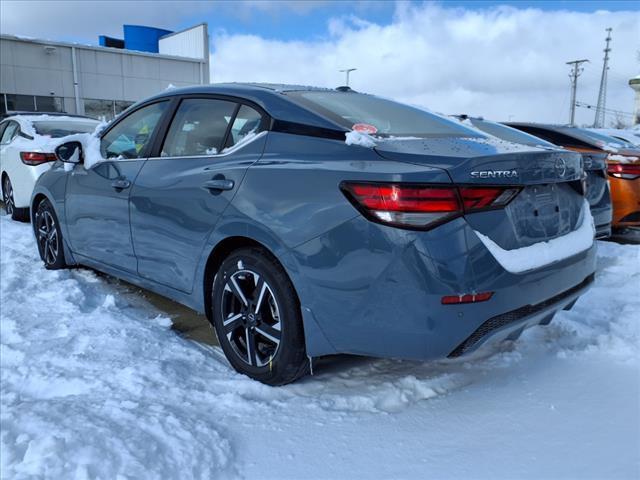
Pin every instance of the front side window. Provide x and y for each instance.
(129, 137)
(198, 128)
(379, 116)
(9, 133)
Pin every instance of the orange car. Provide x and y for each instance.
(623, 165)
(624, 178)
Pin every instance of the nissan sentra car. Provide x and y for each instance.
(307, 222)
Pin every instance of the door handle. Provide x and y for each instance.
(121, 183)
(219, 184)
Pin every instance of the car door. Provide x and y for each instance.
(97, 198)
(180, 195)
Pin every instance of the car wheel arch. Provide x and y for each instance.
(221, 251)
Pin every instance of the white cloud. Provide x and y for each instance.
(498, 62)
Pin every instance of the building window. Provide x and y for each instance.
(121, 106)
(30, 103)
(21, 103)
(49, 104)
(104, 109)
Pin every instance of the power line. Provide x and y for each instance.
(576, 70)
(598, 121)
(606, 110)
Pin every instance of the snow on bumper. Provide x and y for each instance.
(541, 254)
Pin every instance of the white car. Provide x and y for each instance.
(629, 136)
(25, 154)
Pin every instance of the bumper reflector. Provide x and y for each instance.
(466, 298)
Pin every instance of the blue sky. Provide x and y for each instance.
(453, 57)
(310, 23)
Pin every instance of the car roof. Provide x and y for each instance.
(270, 97)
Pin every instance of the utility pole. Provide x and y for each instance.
(347, 71)
(576, 70)
(598, 121)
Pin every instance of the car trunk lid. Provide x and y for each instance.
(550, 201)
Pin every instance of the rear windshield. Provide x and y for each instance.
(509, 134)
(379, 116)
(603, 140)
(62, 128)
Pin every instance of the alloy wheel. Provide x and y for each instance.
(251, 318)
(47, 237)
(7, 196)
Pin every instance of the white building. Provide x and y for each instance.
(99, 81)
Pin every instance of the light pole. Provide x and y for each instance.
(347, 71)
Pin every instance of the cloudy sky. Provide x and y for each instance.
(504, 60)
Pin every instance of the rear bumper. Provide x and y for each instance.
(625, 195)
(504, 325)
(377, 291)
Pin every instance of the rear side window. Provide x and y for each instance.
(379, 116)
(62, 128)
(9, 133)
(246, 125)
(198, 128)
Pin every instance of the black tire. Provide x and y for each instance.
(272, 332)
(17, 214)
(49, 236)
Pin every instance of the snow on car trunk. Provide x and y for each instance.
(95, 384)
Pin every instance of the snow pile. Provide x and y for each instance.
(96, 385)
(361, 139)
(248, 137)
(545, 253)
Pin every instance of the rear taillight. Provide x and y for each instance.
(627, 171)
(36, 158)
(422, 206)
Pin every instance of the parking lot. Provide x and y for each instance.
(97, 365)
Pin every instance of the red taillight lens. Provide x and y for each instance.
(476, 198)
(398, 198)
(466, 298)
(36, 158)
(627, 171)
(422, 206)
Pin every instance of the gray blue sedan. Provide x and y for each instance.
(307, 222)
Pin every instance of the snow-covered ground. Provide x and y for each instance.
(95, 384)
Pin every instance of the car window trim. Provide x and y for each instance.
(224, 153)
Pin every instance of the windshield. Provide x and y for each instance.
(378, 116)
(509, 134)
(62, 128)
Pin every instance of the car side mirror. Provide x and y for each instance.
(70, 152)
